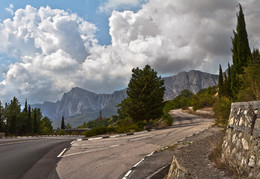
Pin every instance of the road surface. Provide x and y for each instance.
(113, 157)
(34, 157)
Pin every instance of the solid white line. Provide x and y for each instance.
(61, 153)
(127, 174)
(90, 151)
(114, 136)
(150, 154)
(97, 138)
(138, 163)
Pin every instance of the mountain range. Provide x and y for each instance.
(79, 105)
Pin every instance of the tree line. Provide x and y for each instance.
(14, 121)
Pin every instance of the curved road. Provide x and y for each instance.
(34, 157)
(114, 156)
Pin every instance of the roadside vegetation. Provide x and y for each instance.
(17, 122)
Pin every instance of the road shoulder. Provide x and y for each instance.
(192, 153)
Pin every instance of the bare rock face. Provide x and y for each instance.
(78, 100)
(192, 80)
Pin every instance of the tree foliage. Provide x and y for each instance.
(62, 126)
(145, 96)
(240, 52)
(29, 121)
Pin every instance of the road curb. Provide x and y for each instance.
(115, 136)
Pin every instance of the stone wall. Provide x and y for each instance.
(241, 145)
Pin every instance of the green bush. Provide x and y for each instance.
(168, 119)
(61, 132)
(221, 111)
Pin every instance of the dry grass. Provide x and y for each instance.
(220, 163)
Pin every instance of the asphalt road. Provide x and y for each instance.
(114, 157)
(31, 157)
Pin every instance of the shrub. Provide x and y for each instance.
(168, 119)
(221, 111)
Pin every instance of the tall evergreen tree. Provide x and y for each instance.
(29, 120)
(2, 124)
(25, 106)
(240, 52)
(35, 122)
(220, 81)
(13, 111)
(145, 96)
(62, 123)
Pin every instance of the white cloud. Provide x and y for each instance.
(57, 50)
(110, 5)
(10, 9)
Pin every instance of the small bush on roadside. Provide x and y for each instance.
(61, 132)
(221, 111)
(168, 119)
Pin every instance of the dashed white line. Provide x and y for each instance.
(77, 153)
(61, 153)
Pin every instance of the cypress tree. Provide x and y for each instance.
(29, 120)
(220, 81)
(62, 123)
(2, 125)
(240, 51)
(25, 106)
(35, 123)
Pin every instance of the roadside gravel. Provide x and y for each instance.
(192, 153)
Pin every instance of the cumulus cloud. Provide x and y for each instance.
(57, 50)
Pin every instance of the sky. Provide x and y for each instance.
(48, 47)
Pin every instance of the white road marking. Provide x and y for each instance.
(72, 142)
(150, 154)
(97, 138)
(127, 174)
(61, 153)
(138, 163)
(77, 153)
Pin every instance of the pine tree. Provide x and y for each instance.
(145, 96)
(62, 123)
(220, 81)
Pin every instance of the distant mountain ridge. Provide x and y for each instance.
(82, 105)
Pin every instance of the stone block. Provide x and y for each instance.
(256, 131)
(251, 162)
(245, 144)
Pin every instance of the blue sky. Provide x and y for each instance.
(48, 47)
